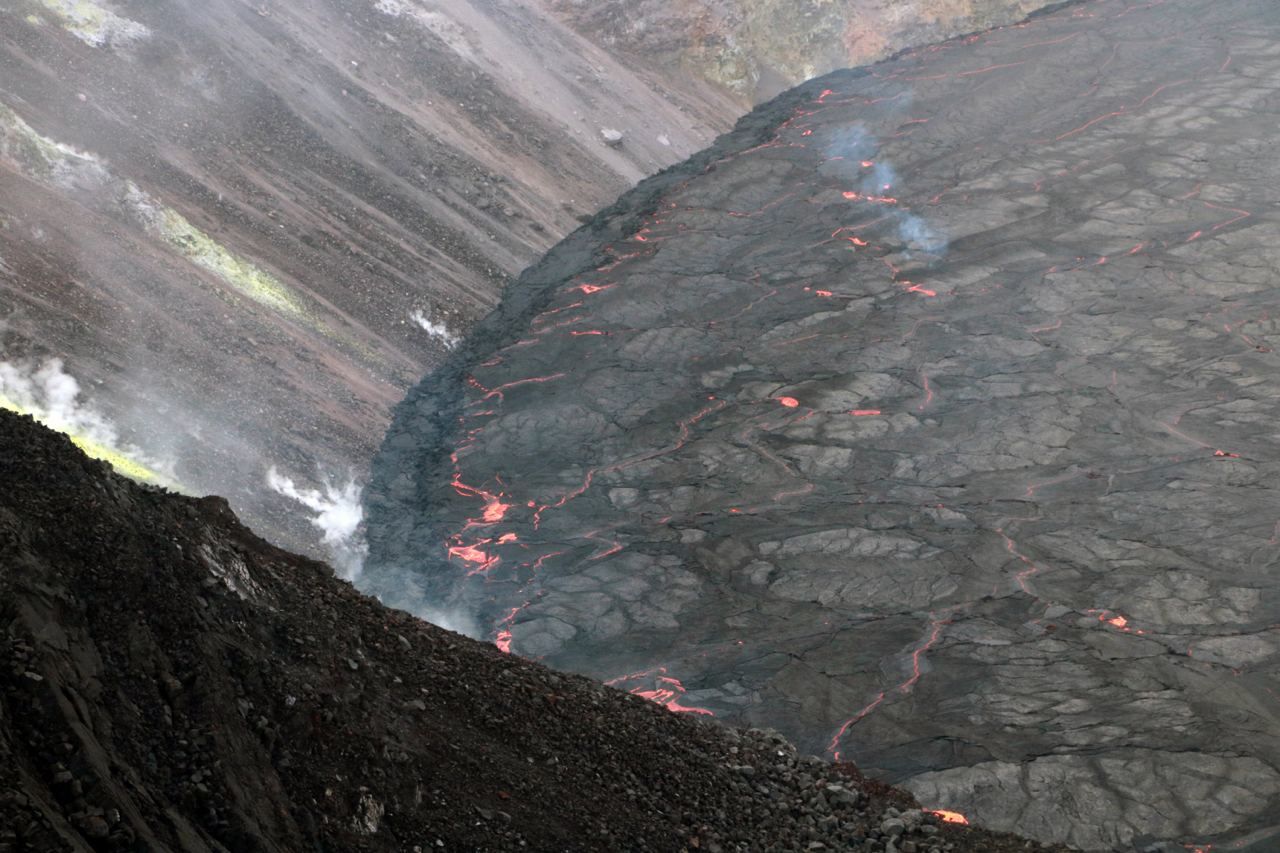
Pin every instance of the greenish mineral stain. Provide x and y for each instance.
(202, 250)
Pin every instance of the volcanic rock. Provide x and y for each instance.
(258, 230)
(274, 743)
(928, 418)
(756, 48)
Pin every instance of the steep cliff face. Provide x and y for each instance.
(756, 48)
(246, 228)
(928, 417)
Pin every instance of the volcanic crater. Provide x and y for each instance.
(927, 417)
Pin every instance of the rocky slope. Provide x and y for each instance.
(757, 48)
(246, 228)
(240, 230)
(168, 681)
(929, 418)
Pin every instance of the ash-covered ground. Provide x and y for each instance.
(928, 417)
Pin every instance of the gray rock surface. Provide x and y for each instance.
(246, 228)
(927, 418)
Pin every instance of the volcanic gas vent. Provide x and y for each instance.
(926, 417)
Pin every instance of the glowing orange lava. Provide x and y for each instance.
(503, 638)
(948, 816)
(666, 691)
(874, 199)
(924, 291)
(495, 511)
(935, 632)
(533, 380)
(789, 402)
(471, 554)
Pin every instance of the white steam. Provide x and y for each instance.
(48, 160)
(439, 331)
(855, 155)
(438, 24)
(458, 621)
(919, 234)
(52, 396)
(94, 24)
(338, 514)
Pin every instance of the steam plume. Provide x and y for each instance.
(439, 331)
(338, 515)
(854, 155)
(52, 396)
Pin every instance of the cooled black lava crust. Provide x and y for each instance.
(929, 416)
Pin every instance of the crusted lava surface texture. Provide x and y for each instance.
(171, 682)
(928, 417)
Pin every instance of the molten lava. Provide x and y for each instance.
(660, 688)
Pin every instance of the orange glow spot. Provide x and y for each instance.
(824, 293)
(503, 642)
(1225, 455)
(948, 816)
(864, 413)
(507, 537)
(495, 511)
(497, 392)
(472, 554)
(1118, 621)
(789, 402)
(666, 691)
(878, 199)
(592, 288)
(867, 164)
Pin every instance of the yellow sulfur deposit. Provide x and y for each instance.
(202, 250)
(130, 468)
